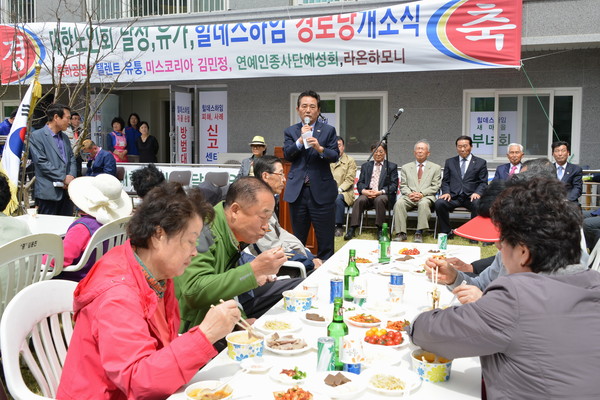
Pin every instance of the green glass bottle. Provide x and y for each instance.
(350, 273)
(337, 329)
(384, 244)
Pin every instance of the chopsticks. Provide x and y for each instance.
(242, 323)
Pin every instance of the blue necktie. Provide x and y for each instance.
(560, 172)
(463, 167)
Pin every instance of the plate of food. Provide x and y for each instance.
(338, 385)
(315, 318)
(297, 393)
(363, 262)
(385, 338)
(277, 324)
(392, 381)
(288, 376)
(362, 320)
(337, 269)
(409, 251)
(288, 344)
(419, 271)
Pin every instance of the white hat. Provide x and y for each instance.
(101, 197)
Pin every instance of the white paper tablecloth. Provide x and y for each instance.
(465, 380)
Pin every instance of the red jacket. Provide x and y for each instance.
(115, 352)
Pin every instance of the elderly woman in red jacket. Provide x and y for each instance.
(125, 343)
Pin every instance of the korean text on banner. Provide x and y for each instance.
(420, 35)
(213, 126)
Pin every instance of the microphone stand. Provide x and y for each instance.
(387, 163)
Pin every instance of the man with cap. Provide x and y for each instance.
(99, 161)
(259, 149)
(514, 153)
(100, 200)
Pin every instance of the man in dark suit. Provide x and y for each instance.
(54, 162)
(571, 175)
(377, 185)
(463, 182)
(514, 152)
(311, 190)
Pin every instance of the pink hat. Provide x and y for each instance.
(479, 228)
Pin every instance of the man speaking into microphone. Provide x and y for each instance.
(311, 191)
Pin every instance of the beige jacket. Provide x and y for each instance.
(344, 173)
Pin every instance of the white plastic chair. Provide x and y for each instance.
(113, 234)
(21, 263)
(594, 260)
(38, 318)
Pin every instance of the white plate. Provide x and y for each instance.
(384, 308)
(361, 324)
(294, 325)
(315, 323)
(288, 352)
(255, 364)
(410, 379)
(336, 269)
(348, 390)
(378, 356)
(275, 374)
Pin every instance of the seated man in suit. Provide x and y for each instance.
(269, 169)
(344, 173)
(514, 152)
(377, 185)
(99, 161)
(571, 175)
(464, 180)
(419, 182)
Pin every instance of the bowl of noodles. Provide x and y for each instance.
(430, 367)
(240, 345)
(206, 390)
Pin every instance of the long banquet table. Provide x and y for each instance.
(44, 223)
(465, 380)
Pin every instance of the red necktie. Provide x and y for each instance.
(512, 170)
(420, 171)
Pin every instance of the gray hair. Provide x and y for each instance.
(424, 141)
(520, 146)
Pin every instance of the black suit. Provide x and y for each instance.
(312, 202)
(573, 180)
(388, 181)
(460, 189)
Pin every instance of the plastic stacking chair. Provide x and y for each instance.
(37, 327)
(21, 263)
(105, 238)
(594, 260)
(183, 177)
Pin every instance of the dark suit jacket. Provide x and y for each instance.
(388, 179)
(49, 165)
(573, 180)
(502, 171)
(310, 162)
(474, 181)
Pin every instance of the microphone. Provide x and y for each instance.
(400, 111)
(306, 120)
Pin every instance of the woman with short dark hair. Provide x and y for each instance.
(535, 329)
(125, 344)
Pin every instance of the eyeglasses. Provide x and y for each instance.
(281, 174)
(305, 106)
